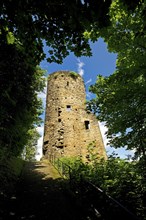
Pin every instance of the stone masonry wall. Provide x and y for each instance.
(69, 129)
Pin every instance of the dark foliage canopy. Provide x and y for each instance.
(60, 23)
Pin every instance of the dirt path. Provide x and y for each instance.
(40, 194)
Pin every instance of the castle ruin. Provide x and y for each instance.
(69, 128)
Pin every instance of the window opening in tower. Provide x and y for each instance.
(87, 125)
(46, 142)
(59, 112)
(68, 108)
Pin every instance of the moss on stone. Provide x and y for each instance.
(73, 74)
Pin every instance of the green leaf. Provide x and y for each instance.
(10, 38)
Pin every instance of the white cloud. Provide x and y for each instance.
(103, 130)
(39, 149)
(90, 80)
(40, 142)
(122, 152)
(40, 129)
(88, 95)
(80, 69)
(42, 95)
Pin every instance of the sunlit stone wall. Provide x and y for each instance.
(69, 129)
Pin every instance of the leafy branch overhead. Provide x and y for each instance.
(61, 24)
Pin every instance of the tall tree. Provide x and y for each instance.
(120, 98)
(20, 108)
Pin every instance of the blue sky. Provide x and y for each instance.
(101, 62)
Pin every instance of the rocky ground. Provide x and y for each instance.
(41, 194)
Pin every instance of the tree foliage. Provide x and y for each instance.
(121, 179)
(120, 98)
(30, 149)
(20, 107)
(62, 24)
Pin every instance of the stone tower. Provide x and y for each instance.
(69, 129)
